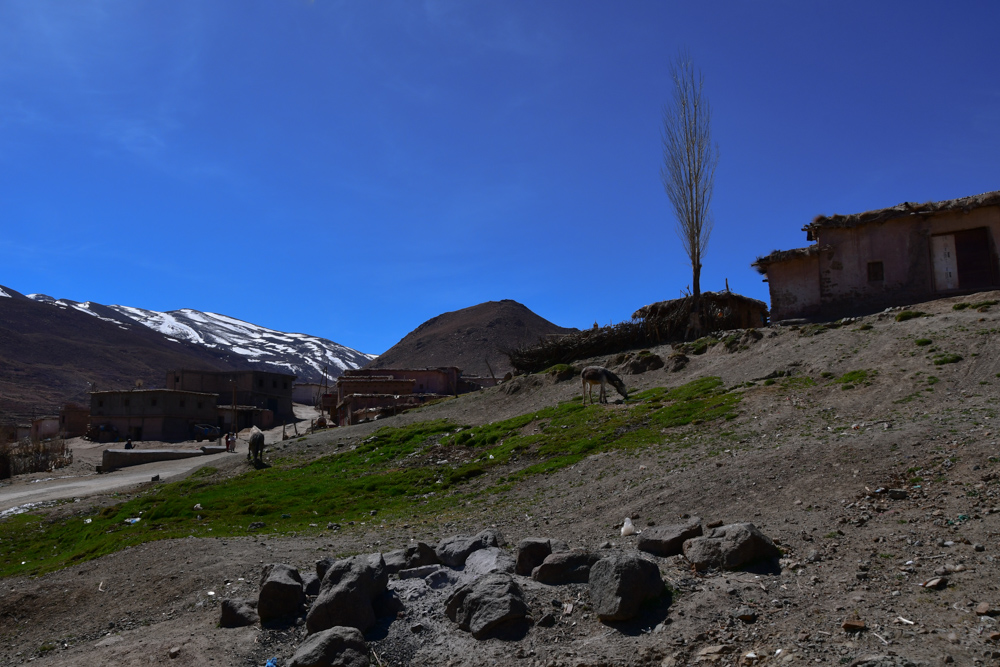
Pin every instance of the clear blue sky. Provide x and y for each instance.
(351, 169)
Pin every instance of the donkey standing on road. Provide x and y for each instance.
(592, 375)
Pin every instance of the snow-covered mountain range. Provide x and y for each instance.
(308, 357)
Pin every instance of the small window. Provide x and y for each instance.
(199, 405)
(274, 384)
(182, 402)
(126, 401)
(284, 385)
(100, 404)
(876, 272)
(152, 401)
(260, 383)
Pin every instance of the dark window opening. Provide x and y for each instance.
(100, 404)
(126, 401)
(152, 401)
(876, 272)
(260, 383)
(182, 402)
(199, 404)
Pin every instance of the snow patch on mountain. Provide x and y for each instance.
(308, 357)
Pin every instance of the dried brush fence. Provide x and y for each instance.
(656, 324)
(24, 456)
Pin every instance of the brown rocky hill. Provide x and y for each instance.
(469, 338)
(50, 355)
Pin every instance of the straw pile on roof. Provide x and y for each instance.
(655, 324)
(965, 204)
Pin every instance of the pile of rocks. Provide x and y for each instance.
(476, 584)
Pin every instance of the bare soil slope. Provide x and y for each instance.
(469, 338)
(846, 413)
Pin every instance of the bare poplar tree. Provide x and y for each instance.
(689, 161)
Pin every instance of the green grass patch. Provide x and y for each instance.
(923, 341)
(424, 469)
(852, 379)
(981, 306)
(946, 358)
(910, 314)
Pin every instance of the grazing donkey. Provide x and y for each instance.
(255, 452)
(592, 375)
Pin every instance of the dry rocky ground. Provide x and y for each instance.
(806, 460)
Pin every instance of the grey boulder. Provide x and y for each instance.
(486, 605)
(488, 561)
(336, 647)
(281, 595)
(452, 551)
(565, 567)
(531, 551)
(669, 540)
(730, 547)
(620, 583)
(406, 559)
(237, 613)
(345, 599)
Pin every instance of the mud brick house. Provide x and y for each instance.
(73, 420)
(365, 394)
(894, 256)
(258, 389)
(149, 414)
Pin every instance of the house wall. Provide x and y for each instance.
(794, 287)
(73, 420)
(271, 391)
(903, 245)
(307, 393)
(443, 381)
(159, 414)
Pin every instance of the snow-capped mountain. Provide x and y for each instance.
(308, 357)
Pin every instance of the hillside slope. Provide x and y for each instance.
(808, 429)
(469, 338)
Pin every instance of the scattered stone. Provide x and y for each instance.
(979, 547)
(349, 587)
(486, 605)
(566, 567)
(256, 525)
(281, 595)
(620, 583)
(237, 613)
(335, 647)
(547, 621)
(531, 551)
(417, 628)
(452, 551)
(718, 649)
(174, 652)
(745, 614)
(669, 540)
(898, 494)
(994, 636)
(441, 578)
(853, 625)
(416, 556)
(730, 547)
(310, 583)
(984, 609)
(488, 561)
(937, 583)
(418, 572)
